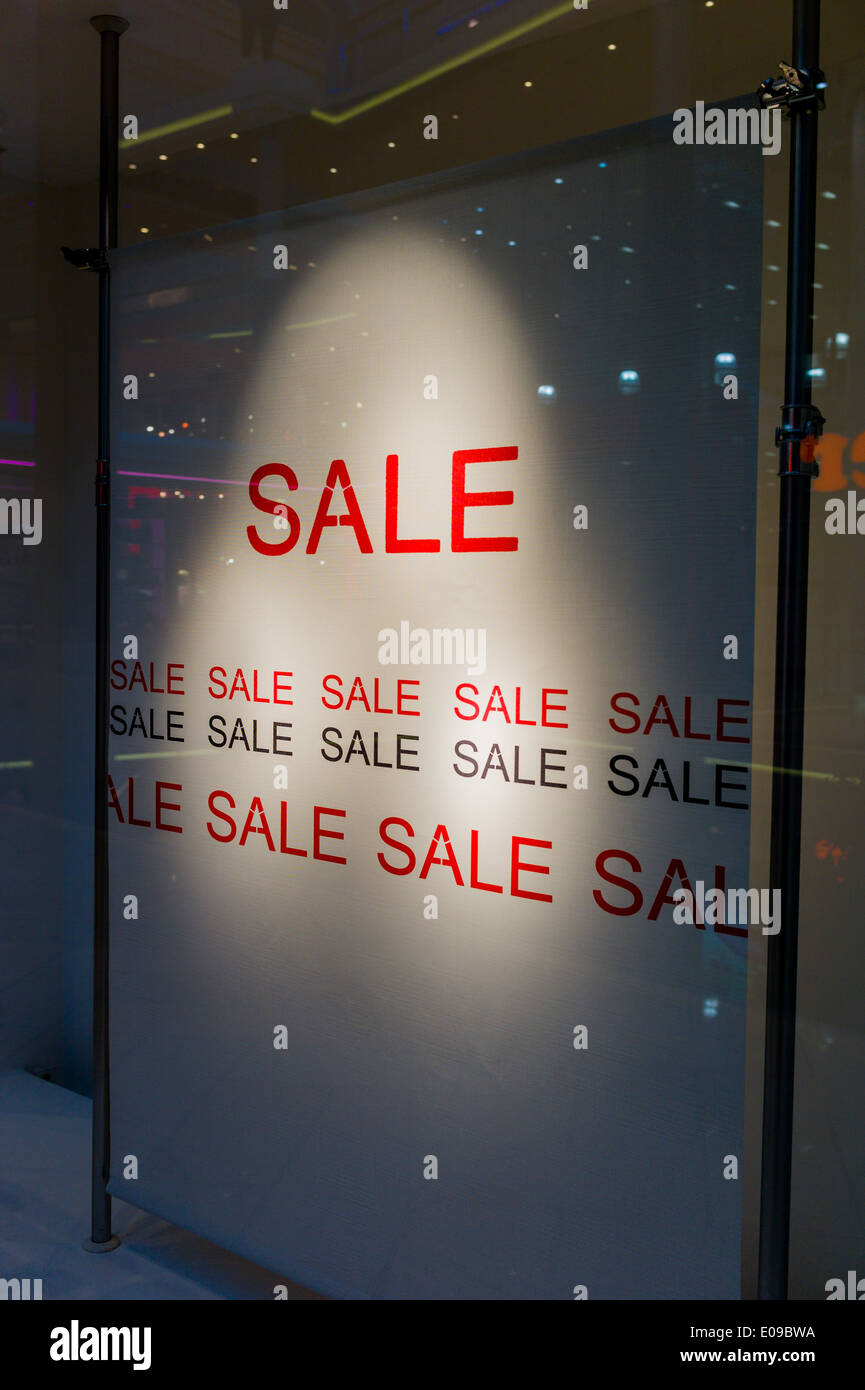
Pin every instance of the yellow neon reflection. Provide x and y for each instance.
(186, 123)
(457, 62)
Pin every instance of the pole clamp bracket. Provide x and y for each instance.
(795, 89)
(86, 258)
(102, 483)
(796, 437)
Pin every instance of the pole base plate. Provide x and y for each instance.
(99, 1247)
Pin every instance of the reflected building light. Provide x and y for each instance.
(729, 203)
(547, 393)
(558, 180)
(816, 373)
(478, 231)
(772, 223)
(710, 1008)
(823, 246)
(629, 250)
(827, 194)
(629, 382)
(150, 429)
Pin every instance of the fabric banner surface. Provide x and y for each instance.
(432, 625)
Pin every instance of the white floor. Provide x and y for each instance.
(44, 1216)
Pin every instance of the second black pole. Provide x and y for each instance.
(796, 438)
(109, 28)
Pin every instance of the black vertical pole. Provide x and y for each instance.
(109, 27)
(796, 439)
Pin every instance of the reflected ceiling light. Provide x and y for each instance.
(163, 157)
(199, 144)
(527, 84)
(254, 159)
(186, 123)
(144, 230)
(132, 166)
(234, 135)
(316, 323)
(611, 47)
(459, 60)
